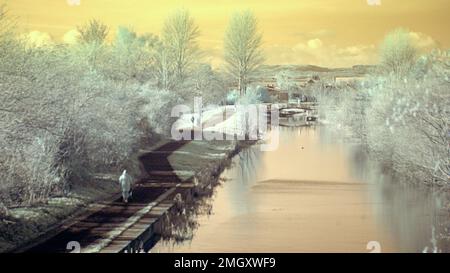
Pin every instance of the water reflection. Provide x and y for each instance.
(315, 193)
(408, 210)
(243, 177)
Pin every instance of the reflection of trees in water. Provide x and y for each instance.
(413, 213)
(410, 212)
(289, 134)
(249, 161)
(181, 223)
(359, 162)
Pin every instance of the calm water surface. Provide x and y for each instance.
(313, 194)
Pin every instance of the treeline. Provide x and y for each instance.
(70, 111)
(401, 112)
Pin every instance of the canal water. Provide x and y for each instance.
(315, 193)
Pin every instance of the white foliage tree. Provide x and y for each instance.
(93, 32)
(130, 57)
(179, 49)
(398, 52)
(242, 45)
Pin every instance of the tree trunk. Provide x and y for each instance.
(240, 86)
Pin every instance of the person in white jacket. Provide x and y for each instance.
(126, 184)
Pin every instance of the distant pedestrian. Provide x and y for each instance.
(126, 184)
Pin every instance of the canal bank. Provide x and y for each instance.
(170, 168)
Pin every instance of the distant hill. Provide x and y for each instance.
(315, 68)
(298, 68)
(267, 73)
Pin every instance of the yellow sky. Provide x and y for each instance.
(322, 32)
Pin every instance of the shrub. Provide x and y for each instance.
(403, 121)
(60, 121)
(68, 112)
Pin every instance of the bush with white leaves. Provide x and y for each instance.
(62, 119)
(404, 121)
